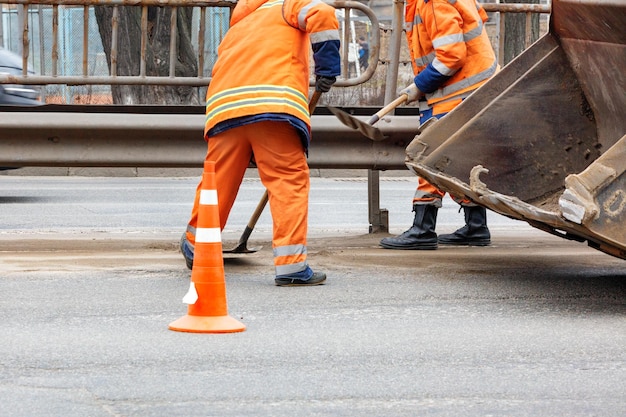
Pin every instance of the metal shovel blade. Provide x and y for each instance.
(242, 245)
(352, 122)
(367, 129)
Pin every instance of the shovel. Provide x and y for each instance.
(242, 245)
(367, 129)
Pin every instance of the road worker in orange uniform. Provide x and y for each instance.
(451, 56)
(257, 107)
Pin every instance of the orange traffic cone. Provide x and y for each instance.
(207, 311)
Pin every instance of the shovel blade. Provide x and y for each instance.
(365, 128)
(242, 247)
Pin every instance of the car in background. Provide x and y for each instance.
(14, 94)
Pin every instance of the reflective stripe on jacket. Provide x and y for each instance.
(263, 60)
(450, 50)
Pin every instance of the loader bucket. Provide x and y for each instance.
(544, 140)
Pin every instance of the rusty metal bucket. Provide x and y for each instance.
(544, 140)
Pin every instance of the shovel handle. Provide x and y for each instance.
(313, 101)
(255, 216)
(389, 107)
(242, 245)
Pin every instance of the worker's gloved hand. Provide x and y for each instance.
(323, 83)
(412, 92)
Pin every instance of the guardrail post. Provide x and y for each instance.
(379, 218)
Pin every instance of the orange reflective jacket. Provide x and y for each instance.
(263, 60)
(450, 51)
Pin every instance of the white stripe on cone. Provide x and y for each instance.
(208, 235)
(208, 197)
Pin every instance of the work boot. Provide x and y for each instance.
(302, 278)
(421, 235)
(186, 249)
(475, 231)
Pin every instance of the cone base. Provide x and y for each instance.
(207, 324)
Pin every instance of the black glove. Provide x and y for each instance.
(323, 83)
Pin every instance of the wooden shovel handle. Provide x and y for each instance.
(389, 107)
(255, 216)
(313, 101)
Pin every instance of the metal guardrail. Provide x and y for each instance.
(145, 136)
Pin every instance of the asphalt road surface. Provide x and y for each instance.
(91, 276)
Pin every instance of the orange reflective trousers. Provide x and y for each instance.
(283, 170)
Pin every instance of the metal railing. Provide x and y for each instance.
(113, 78)
(528, 9)
(85, 78)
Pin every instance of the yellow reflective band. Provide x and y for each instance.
(258, 91)
(271, 4)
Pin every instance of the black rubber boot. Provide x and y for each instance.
(421, 235)
(475, 231)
